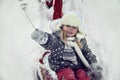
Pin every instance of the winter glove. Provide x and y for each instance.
(39, 36)
(95, 72)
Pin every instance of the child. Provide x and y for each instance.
(70, 56)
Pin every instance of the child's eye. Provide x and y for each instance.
(71, 26)
(74, 27)
(68, 25)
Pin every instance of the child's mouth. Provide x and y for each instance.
(69, 32)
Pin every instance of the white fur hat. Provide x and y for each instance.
(70, 18)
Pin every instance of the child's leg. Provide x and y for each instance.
(82, 75)
(66, 74)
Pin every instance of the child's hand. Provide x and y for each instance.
(95, 72)
(35, 35)
(39, 36)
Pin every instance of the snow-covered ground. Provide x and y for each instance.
(18, 53)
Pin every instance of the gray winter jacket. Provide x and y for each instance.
(62, 57)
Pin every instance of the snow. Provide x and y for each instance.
(19, 54)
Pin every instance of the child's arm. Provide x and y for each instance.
(46, 40)
(95, 70)
(91, 58)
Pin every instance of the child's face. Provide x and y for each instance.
(70, 31)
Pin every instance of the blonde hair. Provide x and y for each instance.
(63, 37)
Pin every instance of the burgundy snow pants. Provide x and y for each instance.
(69, 74)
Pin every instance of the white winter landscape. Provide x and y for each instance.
(19, 53)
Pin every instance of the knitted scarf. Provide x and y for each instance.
(72, 43)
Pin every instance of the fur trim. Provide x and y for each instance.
(54, 25)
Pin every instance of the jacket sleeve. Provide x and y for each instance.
(48, 41)
(91, 58)
(53, 42)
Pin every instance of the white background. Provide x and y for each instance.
(18, 52)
